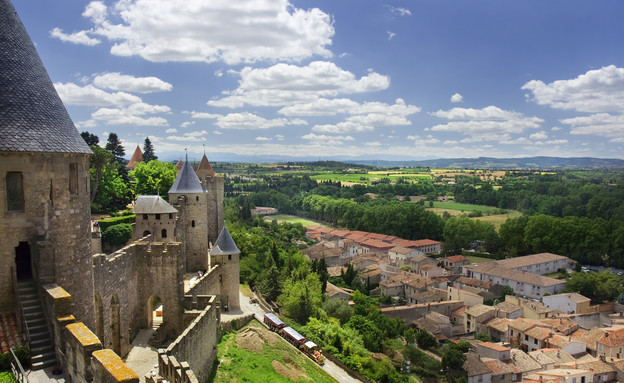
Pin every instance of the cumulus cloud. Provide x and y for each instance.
(171, 130)
(208, 31)
(79, 38)
(88, 95)
(322, 139)
(600, 124)
(260, 138)
(246, 120)
(287, 84)
(600, 90)
(487, 124)
(126, 116)
(457, 98)
(539, 135)
(390, 35)
(118, 81)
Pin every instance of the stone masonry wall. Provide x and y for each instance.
(53, 216)
(208, 284)
(214, 186)
(196, 347)
(192, 229)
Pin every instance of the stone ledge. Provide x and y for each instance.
(83, 335)
(114, 366)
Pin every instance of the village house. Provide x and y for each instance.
(494, 351)
(453, 263)
(470, 298)
(497, 329)
(418, 261)
(523, 364)
(501, 372)
(569, 303)
(431, 271)
(535, 338)
(401, 255)
(566, 343)
(476, 315)
(542, 263)
(476, 370)
(611, 345)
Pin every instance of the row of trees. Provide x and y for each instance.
(112, 186)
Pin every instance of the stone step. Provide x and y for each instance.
(40, 365)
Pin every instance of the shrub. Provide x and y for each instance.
(118, 235)
(106, 223)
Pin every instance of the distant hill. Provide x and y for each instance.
(506, 163)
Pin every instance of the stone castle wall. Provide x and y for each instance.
(155, 227)
(208, 284)
(214, 185)
(191, 229)
(229, 280)
(54, 223)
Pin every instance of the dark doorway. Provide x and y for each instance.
(22, 261)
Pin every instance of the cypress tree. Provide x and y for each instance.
(148, 151)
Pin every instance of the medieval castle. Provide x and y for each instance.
(95, 303)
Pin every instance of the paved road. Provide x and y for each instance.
(330, 367)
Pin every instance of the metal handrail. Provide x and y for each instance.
(22, 319)
(17, 369)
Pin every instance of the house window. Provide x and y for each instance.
(164, 233)
(229, 257)
(73, 178)
(526, 337)
(196, 198)
(170, 216)
(15, 191)
(145, 217)
(157, 216)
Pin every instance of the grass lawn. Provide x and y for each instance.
(472, 259)
(7, 377)
(254, 354)
(557, 275)
(498, 219)
(245, 290)
(367, 178)
(463, 206)
(292, 219)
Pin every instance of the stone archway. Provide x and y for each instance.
(23, 266)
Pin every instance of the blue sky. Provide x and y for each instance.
(340, 78)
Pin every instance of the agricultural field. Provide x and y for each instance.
(489, 212)
(292, 219)
(498, 219)
(464, 207)
(254, 354)
(370, 177)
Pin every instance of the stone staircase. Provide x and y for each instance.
(42, 353)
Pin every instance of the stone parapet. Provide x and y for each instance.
(108, 367)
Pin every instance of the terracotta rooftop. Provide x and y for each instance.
(497, 367)
(401, 250)
(494, 346)
(497, 270)
(205, 169)
(474, 366)
(479, 309)
(522, 362)
(456, 258)
(136, 158)
(545, 355)
(521, 324)
(539, 333)
(373, 243)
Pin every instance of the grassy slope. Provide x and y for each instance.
(238, 364)
(292, 219)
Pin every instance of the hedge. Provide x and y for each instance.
(108, 222)
(117, 235)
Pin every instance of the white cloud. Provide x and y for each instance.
(186, 124)
(457, 98)
(118, 81)
(322, 139)
(400, 11)
(373, 144)
(428, 140)
(556, 128)
(198, 133)
(600, 90)
(88, 95)
(79, 38)
(539, 135)
(186, 138)
(600, 124)
(390, 35)
(246, 120)
(125, 117)
(286, 84)
(208, 31)
(218, 73)
(260, 138)
(279, 137)
(488, 124)
(171, 130)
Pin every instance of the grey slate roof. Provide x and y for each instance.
(32, 115)
(152, 204)
(186, 181)
(225, 244)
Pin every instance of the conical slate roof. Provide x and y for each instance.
(186, 181)
(153, 204)
(32, 115)
(136, 157)
(204, 168)
(225, 244)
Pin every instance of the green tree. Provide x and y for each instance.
(453, 359)
(425, 339)
(483, 337)
(90, 138)
(113, 145)
(101, 162)
(155, 177)
(148, 151)
(339, 309)
(301, 298)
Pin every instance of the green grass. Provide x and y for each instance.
(463, 207)
(239, 364)
(292, 219)
(498, 219)
(7, 377)
(368, 178)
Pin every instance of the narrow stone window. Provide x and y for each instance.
(73, 178)
(193, 223)
(170, 216)
(196, 198)
(229, 257)
(157, 216)
(164, 233)
(51, 193)
(15, 191)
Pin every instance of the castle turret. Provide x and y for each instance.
(156, 217)
(136, 158)
(225, 253)
(44, 178)
(189, 197)
(213, 183)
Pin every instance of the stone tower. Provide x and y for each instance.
(189, 197)
(156, 217)
(213, 184)
(44, 178)
(225, 253)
